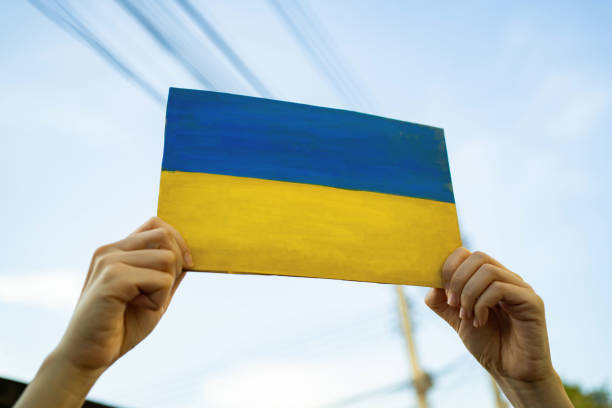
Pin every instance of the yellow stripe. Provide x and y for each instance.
(248, 225)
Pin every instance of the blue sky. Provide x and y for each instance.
(522, 91)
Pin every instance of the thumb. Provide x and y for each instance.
(437, 301)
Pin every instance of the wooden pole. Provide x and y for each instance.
(499, 402)
(422, 382)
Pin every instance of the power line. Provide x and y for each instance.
(165, 42)
(207, 28)
(309, 35)
(394, 387)
(66, 19)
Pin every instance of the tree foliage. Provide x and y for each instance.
(598, 398)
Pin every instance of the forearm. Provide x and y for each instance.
(541, 394)
(57, 384)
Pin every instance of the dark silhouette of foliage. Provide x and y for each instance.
(598, 398)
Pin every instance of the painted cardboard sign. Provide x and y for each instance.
(269, 187)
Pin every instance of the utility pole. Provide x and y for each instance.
(422, 381)
(499, 402)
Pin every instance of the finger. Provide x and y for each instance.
(450, 266)
(149, 239)
(182, 244)
(463, 273)
(105, 249)
(156, 222)
(162, 260)
(149, 224)
(127, 282)
(437, 301)
(511, 295)
(153, 239)
(478, 283)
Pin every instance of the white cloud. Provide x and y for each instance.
(301, 384)
(48, 289)
(272, 385)
(318, 383)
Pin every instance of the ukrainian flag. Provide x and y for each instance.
(269, 187)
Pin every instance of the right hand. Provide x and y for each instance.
(498, 316)
(500, 319)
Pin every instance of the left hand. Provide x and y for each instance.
(127, 290)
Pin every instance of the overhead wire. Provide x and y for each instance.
(166, 42)
(395, 387)
(321, 38)
(66, 19)
(207, 28)
(309, 35)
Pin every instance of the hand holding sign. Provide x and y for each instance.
(260, 186)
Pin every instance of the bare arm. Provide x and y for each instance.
(127, 290)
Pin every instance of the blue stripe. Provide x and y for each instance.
(219, 133)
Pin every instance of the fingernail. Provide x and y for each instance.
(452, 300)
(462, 315)
(188, 259)
(476, 324)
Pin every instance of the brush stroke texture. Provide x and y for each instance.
(250, 225)
(211, 132)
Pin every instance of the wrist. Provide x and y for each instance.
(58, 383)
(75, 378)
(547, 392)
